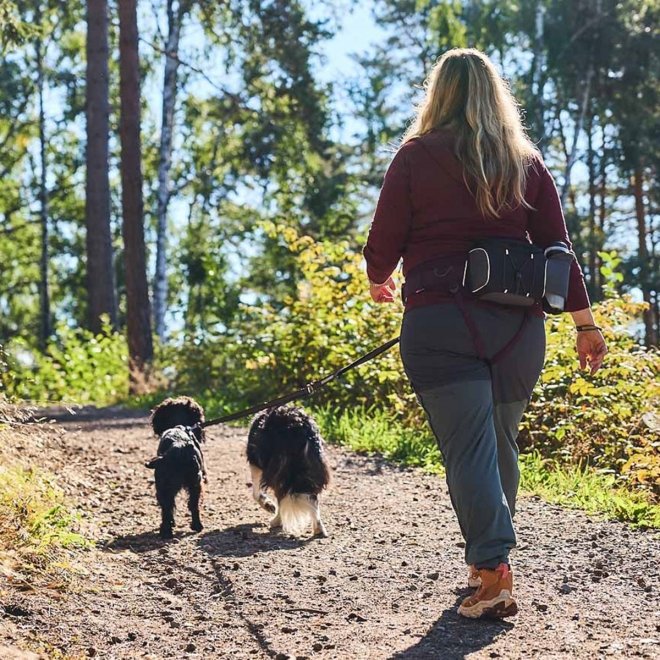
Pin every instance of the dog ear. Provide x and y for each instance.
(153, 462)
(159, 417)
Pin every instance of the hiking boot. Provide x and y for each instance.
(474, 579)
(493, 599)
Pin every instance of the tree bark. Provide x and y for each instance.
(642, 250)
(538, 76)
(45, 325)
(101, 298)
(602, 208)
(572, 153)
(174, 20)
(138, 316)
(593, 239)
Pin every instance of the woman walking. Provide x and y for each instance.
(465, 172)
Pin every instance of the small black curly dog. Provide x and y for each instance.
(285, 453)
(180, 462)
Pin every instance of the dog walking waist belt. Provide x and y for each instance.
(304, 392)
(504, 271)
(448, 275)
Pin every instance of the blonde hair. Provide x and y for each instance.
(465, 93)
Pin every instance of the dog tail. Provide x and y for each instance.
(297, 512)
(179, 411)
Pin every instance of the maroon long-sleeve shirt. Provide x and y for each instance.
(425, 210)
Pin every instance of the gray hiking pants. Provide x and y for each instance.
(474, 411)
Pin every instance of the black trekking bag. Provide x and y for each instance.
(519, 273)
(506, 271)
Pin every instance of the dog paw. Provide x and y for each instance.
(196, 526)
(320, 533)
(267, 504)
(166, 534)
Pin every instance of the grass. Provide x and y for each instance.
(37, 528)
(370, 431)
(585, 488)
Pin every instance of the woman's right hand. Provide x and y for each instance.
(382, 293)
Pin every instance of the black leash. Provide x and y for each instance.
(303, 392)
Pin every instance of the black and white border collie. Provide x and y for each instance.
(285, 453)
(179, 464)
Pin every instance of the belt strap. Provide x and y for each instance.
(476, 335)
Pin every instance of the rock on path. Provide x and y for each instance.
(385, 584)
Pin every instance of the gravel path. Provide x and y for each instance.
(385, 584)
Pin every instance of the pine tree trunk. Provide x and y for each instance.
(45, 326)
(174, 20)
(101, 297)
(537, 74)
(593, 240)
(577, 129)
(602, 209)
(138, 316)
(643, 253)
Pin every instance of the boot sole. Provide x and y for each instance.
(497, 608)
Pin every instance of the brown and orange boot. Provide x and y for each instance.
(474, 579)
(493, 599)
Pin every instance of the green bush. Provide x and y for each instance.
(604, 421)
(36, 525)
(574, 417)
(377, 431)
(278, 346)
(77, 367)
(599, 420)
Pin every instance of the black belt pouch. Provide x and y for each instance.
(506, 271)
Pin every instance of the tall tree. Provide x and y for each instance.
(101, 297)
(176, 12)
(635, 101)
(138, 316)
(45, 327)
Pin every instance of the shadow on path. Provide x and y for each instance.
(242, 541)
(143, 542)
(88, 414)
(453, 637)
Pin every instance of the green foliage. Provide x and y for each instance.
(78, 367)
(580, 487)
(13, 31)
(36, 525)
(600, 419)
(373, 430)
(378, 432)
(573, 416)
(275, 347)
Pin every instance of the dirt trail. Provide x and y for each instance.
(385, 584)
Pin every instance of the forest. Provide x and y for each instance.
(187, 185)
(186, 188)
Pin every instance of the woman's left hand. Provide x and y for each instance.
(382, 293)
(591, 349)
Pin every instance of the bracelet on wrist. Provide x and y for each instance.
(587, 328)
